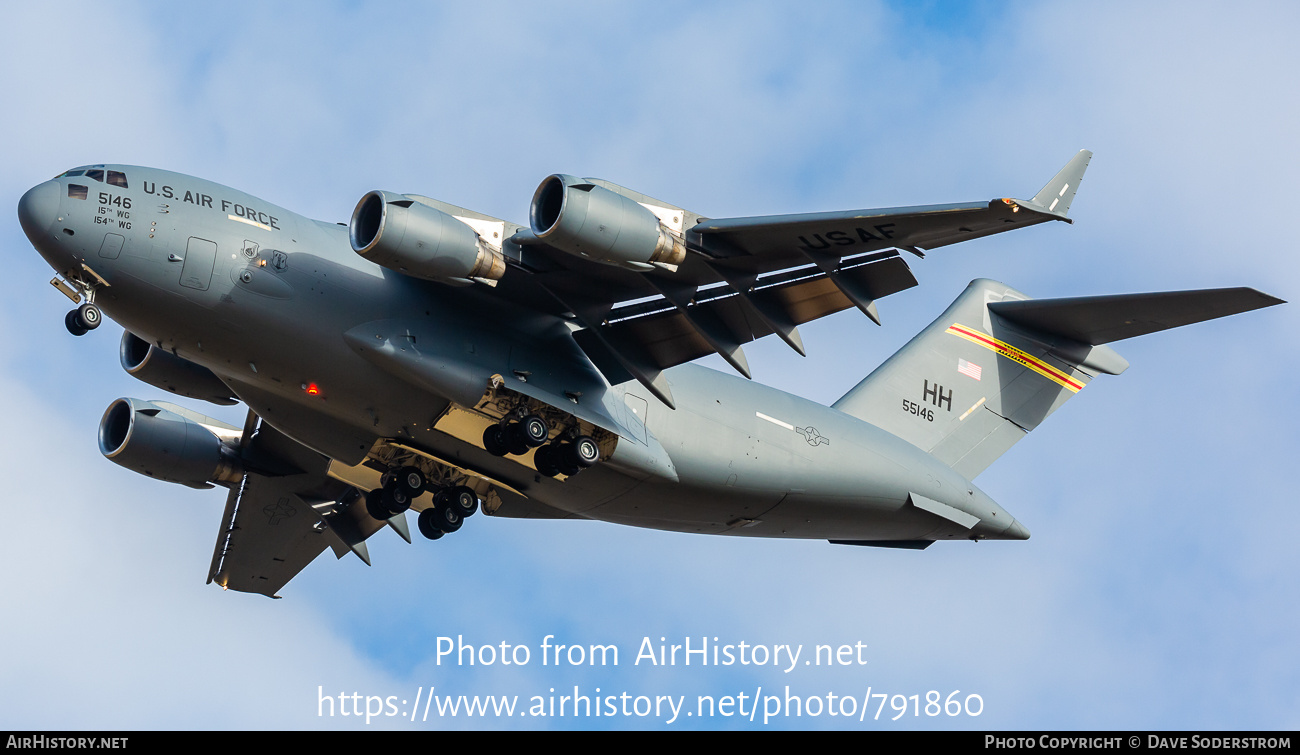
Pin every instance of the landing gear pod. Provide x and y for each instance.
(146, 438)
(415, 239)
(591, 221)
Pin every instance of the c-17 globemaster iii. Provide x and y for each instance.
(431, 358)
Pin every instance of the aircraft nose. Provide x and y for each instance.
(38, 208)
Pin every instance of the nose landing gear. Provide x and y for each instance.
(88, 316)
(83, 319)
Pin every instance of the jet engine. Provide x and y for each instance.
(415, 239)
(591, 221)
(163, 369)
(147, 438)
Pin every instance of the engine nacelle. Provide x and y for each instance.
(144, 437)
(591, 221)
(163, 369)
(415, 239)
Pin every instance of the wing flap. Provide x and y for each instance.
(274, 526)
(666, 336)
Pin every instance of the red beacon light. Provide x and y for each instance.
(311, 388)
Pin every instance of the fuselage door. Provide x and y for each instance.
(637, 412)
(200, 257)
(112, 246)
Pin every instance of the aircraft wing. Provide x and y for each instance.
(782, 239)
(284, 515)
(744, 278)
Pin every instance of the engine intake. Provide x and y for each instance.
(415, 239)
(163, 369)
(146, 438)
(591, 221)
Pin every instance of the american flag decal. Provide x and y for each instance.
(1029, 361)
(969, 369)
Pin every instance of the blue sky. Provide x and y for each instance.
(1159, 589)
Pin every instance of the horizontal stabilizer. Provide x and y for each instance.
(1096, 320)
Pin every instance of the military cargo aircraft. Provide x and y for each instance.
(429, 358)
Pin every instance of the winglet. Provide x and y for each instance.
(1057, 195)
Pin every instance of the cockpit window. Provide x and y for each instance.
(77, 191)
(73, 173)
(116, 178)
(95, 175)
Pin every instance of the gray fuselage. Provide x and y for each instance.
(262, 297)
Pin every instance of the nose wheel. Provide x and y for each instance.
(83, 319)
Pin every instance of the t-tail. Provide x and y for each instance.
(997, 363)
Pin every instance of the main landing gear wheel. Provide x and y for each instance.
(564, 459)
(462, 499)
(83, 319)
(395, 499)
(516, 441)
(412, 480)
(427, 524)
(544, 460)
(568, 458)
(375, 506)
(585, 451)
(494, 441)
(517, 438)
(445, 516)
(533, 430)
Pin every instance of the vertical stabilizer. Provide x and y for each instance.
(971, 385)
